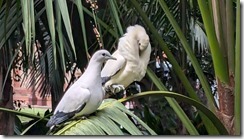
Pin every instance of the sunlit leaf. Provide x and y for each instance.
(108, 119)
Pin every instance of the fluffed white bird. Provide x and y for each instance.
(85, 95)
(133, 55)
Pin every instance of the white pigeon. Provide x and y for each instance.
(85, 95)
(133, 55)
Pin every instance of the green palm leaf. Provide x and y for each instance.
(112, 118)
(211, 116)
(238, 72)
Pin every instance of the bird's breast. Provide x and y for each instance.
(94, 102)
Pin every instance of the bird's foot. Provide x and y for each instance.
(82, 117)
(115, 88)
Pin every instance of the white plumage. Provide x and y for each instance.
(85, 95)
(132, 54)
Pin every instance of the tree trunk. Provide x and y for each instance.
(6, 101)
(226, 104)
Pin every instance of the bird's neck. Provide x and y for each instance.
(94, 69)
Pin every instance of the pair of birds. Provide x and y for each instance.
(126, 65)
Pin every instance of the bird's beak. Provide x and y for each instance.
(111, 57)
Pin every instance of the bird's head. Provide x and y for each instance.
(143, 41)
(102, 56)
(140, 35)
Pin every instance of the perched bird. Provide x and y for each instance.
(85, 95)
(133, 55)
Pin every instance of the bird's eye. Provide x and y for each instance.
(103, 54)
(138, 42)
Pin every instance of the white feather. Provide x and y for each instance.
(132, 55)
(86, 90)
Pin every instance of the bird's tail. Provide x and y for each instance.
(50, 130)
(54, 120)
(51, 122)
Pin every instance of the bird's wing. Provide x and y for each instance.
(105, 79)
(73, 101)
(113, 66)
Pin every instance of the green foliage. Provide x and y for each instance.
(212, 117)
(112, 118)
(238, 72)
(172, 102)
(65, 32)
(35, 126)
(220, 65)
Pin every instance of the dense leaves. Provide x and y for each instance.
(111, 118)
(49, 39)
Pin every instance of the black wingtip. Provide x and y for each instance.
(51, 121)
(105, 79)
(58, 118)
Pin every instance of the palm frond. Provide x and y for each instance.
(111, 118)
(212, 117)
